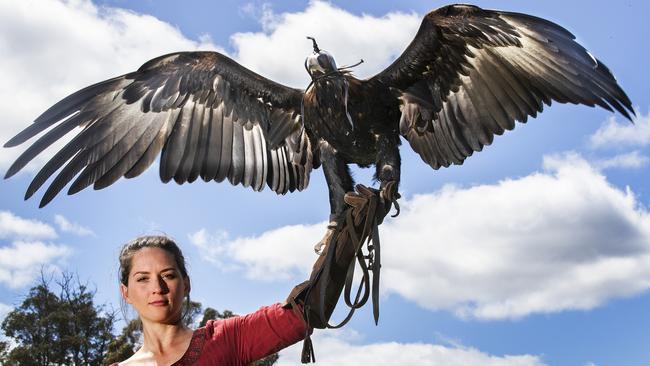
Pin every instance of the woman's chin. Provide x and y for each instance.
(160, 314)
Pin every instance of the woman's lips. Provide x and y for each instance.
(159, 303)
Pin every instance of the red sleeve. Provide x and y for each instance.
(268, 330)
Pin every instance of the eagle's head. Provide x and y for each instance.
(320, 62)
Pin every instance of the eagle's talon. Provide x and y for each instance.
(389, 196)
(319, 248)
(397, 209)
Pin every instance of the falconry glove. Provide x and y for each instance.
(334, 269)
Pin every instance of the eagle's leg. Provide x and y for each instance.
(388, 170)
(339, 182)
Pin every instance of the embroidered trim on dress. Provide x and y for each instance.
(194, 350)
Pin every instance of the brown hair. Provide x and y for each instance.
(152, 241)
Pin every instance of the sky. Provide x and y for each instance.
(536, 251)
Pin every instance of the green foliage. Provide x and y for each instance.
(57, 329)
(124, 345)
(192, 310)
(209, 313)
(4, 351)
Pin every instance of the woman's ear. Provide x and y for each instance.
(124, 291)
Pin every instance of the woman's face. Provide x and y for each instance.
(156, 287)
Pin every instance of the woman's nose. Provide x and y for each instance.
(160, 286)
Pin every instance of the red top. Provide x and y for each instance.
(243, 339)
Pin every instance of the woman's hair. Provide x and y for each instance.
(152, 241)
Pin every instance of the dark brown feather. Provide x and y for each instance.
(484, 70)
(191, 106)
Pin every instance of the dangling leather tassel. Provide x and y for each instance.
(376, 266)
(308, 355)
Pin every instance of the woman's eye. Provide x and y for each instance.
(169, 276)
(142, 279)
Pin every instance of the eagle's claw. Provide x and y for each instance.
(319, 248)
(389, 196)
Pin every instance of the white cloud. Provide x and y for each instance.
(52, 48)
(211, 246)
(280, 50)
(333, 350)
(21, 262)
(12, 226)
(560, 239)
(275, 255)
(614, 133)
(71, 227)
(24, 254)
(632, 160)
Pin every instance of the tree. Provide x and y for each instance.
(4, 350)
(192, 310)
(124, 345)
(63, 329)
(210, 313)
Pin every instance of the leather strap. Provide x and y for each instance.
(359, 226)
(368, 264)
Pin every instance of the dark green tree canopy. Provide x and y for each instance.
(58, 328)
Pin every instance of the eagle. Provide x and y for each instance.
(468, 75)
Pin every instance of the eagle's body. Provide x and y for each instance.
(349, 124)
(355, 138)
(469, 74)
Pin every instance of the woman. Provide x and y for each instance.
(154, 280)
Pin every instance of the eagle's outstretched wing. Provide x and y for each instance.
(210, 117)
(471, 73)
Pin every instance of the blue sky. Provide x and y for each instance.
(535, 252)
